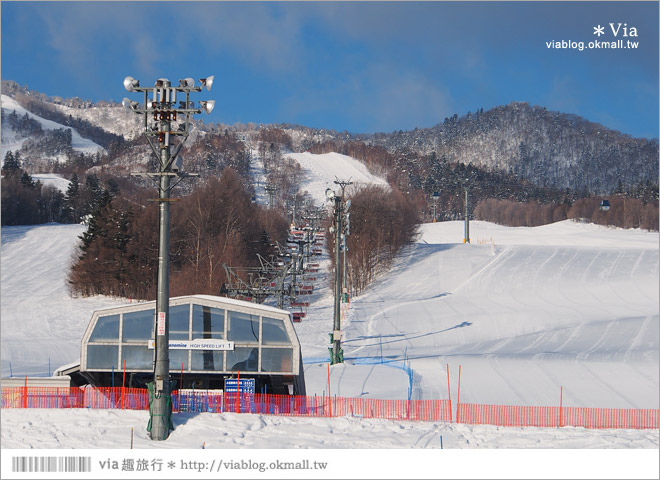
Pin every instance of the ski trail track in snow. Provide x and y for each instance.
(522, 317)
(568, 312)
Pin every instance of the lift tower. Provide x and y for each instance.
(336, 353)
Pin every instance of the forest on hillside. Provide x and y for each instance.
(546, 148)
(217, 224)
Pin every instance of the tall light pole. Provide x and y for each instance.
(336, 353)
(270, 189)
(466, 238)
(161, 114)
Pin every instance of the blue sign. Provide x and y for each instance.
(246, 385)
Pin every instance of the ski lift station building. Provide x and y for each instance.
(210, 338)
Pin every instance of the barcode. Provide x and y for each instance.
(51, 464)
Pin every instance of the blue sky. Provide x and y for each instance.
(358, 66)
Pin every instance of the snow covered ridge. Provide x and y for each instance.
(114, 119)
(11, 142)
(320, 171)
(544, 147)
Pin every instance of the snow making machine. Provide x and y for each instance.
(210, 339)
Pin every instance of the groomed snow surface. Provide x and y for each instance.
(321, 171)
(524, 312)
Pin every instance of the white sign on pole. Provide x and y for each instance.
(161, 323)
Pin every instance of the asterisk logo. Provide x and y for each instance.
(599, 30)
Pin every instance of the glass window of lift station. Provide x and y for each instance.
(179, 322)
(208, 322)
(138, 326)
(243, 327)
(106, 329)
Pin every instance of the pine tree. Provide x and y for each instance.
(27, 181)
(93, 193)
(72, 199)
(12, 119)
(97, 222)
(11, 165)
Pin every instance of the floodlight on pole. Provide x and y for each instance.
(128, 104)
(207, 82)
(162, 109)
(207, 106)
(131, 84)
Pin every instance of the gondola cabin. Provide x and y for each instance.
(210, 338)
(605, 205)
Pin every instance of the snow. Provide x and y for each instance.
(231, 430)
(41, 323)
(321, 170)
(52, 179)
(522, 311)
(11, 142)
(520, 315)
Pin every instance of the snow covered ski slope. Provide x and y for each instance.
(11, 142)
(524, 311)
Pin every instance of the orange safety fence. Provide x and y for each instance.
(74, 397)
(525, 416)
(323, 406)
(611, 418)
(205, 401)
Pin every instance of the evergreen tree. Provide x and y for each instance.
(11, 165)
(93, 193)
(112, 187)
(12, 119)
(27, 181)
(72, 200)
(97, 225)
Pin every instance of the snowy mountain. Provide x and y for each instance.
(522, 312)
(16, 140)
(109, 116)
(544, 147)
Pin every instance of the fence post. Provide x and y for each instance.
(25, 393)
(458, 400)
(449, 393)
(238, 392)
(329, 396)
(561, 401)
(123, 386)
